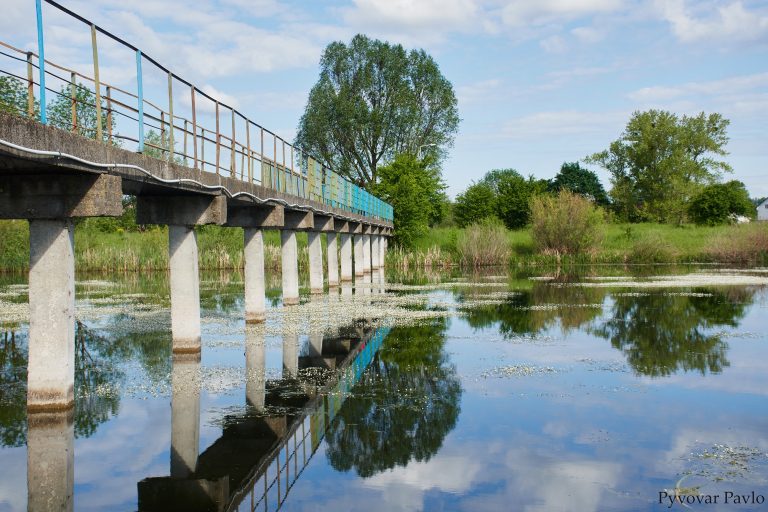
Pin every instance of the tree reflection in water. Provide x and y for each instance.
(403, 406)
(662, 333)
(98, 376)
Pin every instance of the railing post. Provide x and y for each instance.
(233, 158)
(96, 83)
(109, 113)
(170, 118)
(194, 124)
(41, 60)
(248, 150)
(30, 87)
(73, 97)
(140, 99)
(218, 138)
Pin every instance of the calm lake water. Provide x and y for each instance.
(601, 389)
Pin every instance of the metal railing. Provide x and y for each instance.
(242, 149)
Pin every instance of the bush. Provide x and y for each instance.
(566, 223)
(484, 243)
(716, 203)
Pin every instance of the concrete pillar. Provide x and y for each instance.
(367, 254)
(290, 354)
(185, 414)
(333, 259)
(346, 257)
(255, 366)
(50, 461)
(290, 266)
(51, 364)
(375, 252)
(185, 289)
(359, 270)
(315, 262)
(382, 247)
(346, 290)
(366, 287)
(255, 308)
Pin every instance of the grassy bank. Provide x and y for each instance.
(622, 243)
(222, 248)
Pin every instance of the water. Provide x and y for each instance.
(601, 390)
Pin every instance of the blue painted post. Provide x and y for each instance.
(41, 60)
(141, 101)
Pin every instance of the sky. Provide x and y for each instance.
(538, 83)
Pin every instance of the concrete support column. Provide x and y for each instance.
(290, 267)
(375, 252)
(359, 271)
(315, 262)
(290, 354)
(333, 259)
(51, 364)
(255, 307)
(385, 245)
(346, 257)
(50, 461)
(255, 366)
(185, 289)
(185, 414)
(367, 254)
(382, 249)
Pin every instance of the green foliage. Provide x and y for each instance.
(651, 248)
(484, 243)
(374, 101)
(60, 112)
(715, 203)
(582, 181)
(566, 224)
(13, 96)
(415, 190)
(473, 205)
(661, 161)
(513, 195)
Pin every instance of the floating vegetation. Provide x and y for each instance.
(721, 462)
(520, 370)
(688, 280)
(606, 366)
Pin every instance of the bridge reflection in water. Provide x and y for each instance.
(262, 451)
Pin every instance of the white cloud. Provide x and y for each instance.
(731, 22)
(477, 92)
(553, 44)
(550, 11)
(587, 34)
(736, 90)
(413, 13)
(564, 122)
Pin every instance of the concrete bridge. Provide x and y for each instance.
(52, 175)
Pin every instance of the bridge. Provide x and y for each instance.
(193, 170)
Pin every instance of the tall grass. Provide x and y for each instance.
(483, 244)
(744, 245)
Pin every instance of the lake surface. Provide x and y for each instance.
(606, 388)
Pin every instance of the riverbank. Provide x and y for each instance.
(100, 247)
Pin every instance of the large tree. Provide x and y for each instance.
(373, 101)
(661, 161)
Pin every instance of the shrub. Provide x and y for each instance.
(716, 203)
(484, 243)
(473, 205)
(566, 223)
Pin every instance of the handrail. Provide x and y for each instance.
(246, 150)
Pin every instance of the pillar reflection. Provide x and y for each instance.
(50, 461)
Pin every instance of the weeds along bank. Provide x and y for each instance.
(477, 246)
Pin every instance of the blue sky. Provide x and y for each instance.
(539, 82)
